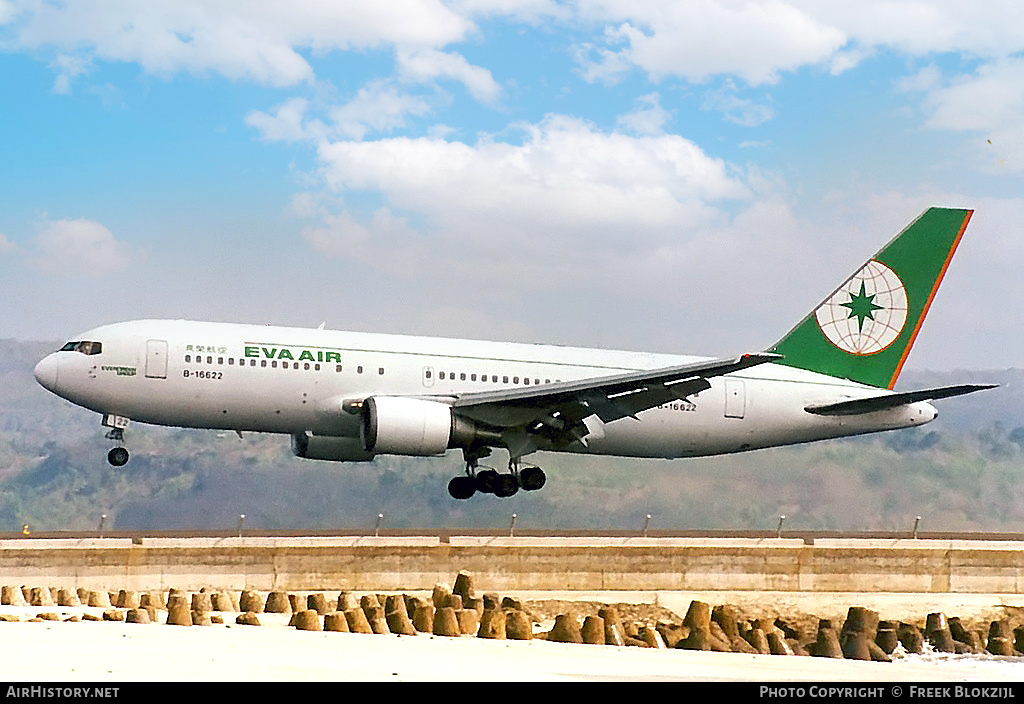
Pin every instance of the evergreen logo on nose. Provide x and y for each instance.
(867, 313)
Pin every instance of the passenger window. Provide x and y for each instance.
(380, 371)
(188, 358)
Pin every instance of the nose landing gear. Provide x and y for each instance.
(118, 456)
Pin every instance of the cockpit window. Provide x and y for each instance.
(83, 346)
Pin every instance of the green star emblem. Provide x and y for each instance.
(862, 306)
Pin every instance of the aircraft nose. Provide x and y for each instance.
(46, 372)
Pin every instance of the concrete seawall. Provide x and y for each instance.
(513, 564)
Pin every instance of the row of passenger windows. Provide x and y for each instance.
(316, 366)
(493, 378)
(271, 363)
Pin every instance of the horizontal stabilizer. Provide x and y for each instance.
(880, 403)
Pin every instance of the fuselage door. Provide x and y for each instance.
(156, 359)
(735, 398)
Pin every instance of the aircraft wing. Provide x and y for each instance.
(527, 416)
(883, 402)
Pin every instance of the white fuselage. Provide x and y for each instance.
(291, 380)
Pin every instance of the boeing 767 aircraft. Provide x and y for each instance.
(349, 396)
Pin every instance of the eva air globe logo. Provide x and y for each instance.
(867, 313)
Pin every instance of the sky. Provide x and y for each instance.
(684, 177)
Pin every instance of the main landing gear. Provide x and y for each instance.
(118, 456)
(490, 481)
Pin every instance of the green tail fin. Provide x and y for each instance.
(864, 330)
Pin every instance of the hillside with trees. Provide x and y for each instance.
(964, 471)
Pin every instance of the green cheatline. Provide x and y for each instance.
(919, 256)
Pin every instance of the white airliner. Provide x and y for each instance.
(348, 396)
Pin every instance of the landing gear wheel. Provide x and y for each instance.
(532, 478)
(507, 486)
(461, 487)
(118, 457)
(487, 481)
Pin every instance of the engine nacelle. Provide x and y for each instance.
(326, 447)
(396, 425)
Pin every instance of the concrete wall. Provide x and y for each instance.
(509, 564)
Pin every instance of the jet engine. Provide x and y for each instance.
(397, 425)
(327, 447)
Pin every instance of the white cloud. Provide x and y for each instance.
(647, 118)
(68, 67)
(425, 65)
(756, 42)
(379, 107)
(6, 245)
(698, 40)
(80, 247)
(989, 102)
(496, 210)
(735, 109)
(285, 125)
(253, 40)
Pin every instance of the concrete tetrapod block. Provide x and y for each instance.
(307, 620)
(345, 602)
(614, 633)
(40, 596)
(493, 624)
(137, 615)
(1000, 639)
(464, 586)
(222, 601)
(827, 643)
(446, 623)
(937, 633)
(11, 595)
(357, 622)
(651, 638)
(910, 638)
(725, 616)
(99, 599)
(698, 615)
(720, 642)
(1018, 639)
(399, 622)
(127, 599)
(593, 630)
(440, 595)
(377, 620)
(396, 602)
(68, 597)
(423, 616)
(250, 602)
(336, 622)
(178, 611)
(565, 630)
(887, 639)
(758, 640)
(469, 621)
(317, 602)
(672, 633)
(777, 644)
(277, 603)
(248, 618)
(201, 602)
(517, 625)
